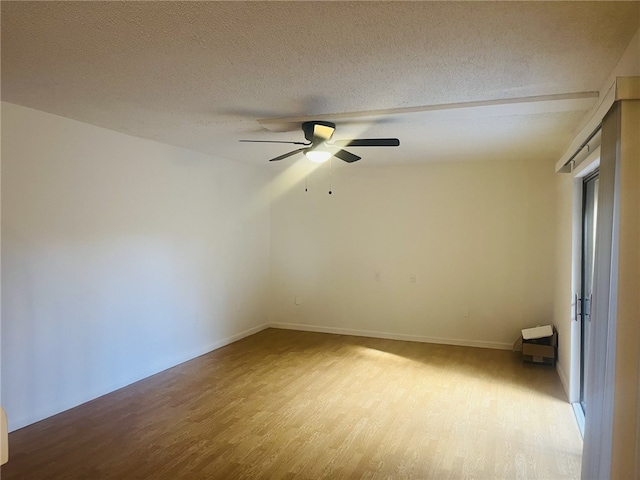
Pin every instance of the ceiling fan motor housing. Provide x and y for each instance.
(309, 129)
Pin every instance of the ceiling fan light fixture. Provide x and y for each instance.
(317, 155)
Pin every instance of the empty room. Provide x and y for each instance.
(304, 240)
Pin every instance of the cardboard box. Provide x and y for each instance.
(538, 346)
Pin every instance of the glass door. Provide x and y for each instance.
(589, 220)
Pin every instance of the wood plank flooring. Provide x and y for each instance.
(297, 405)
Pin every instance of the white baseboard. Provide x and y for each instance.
(393, 336)
(234, 338)
(54, 409)
(564, 381)
(177, 360)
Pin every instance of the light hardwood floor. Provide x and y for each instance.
(298, 405)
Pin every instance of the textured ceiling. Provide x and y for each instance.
(200, 74)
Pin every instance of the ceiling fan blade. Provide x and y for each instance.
(346, 156)
(368, 142)
(273, 141)
(286, 155)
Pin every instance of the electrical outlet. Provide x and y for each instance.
(376, 276)
(298, 300)
(412, 278)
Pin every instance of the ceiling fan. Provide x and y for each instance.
(318, 149)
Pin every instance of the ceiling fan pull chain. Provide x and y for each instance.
(330, 174)
(306, 177)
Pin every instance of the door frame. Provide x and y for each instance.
(579, 174)
(589, 177)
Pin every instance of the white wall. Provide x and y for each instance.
(626, 428)
(479, 236)
(566, 240)
(120, 257)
